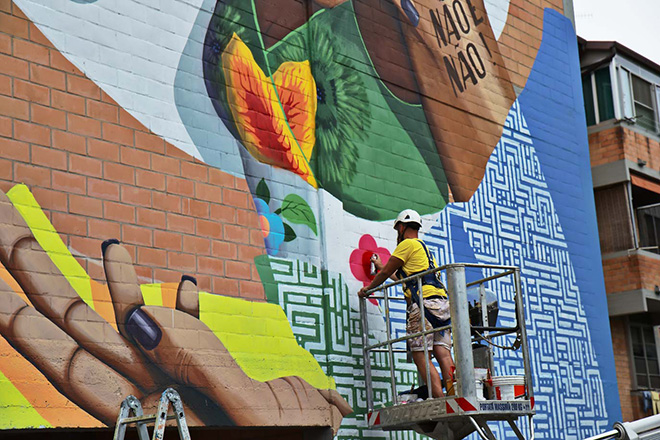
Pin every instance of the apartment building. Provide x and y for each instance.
(622, 100)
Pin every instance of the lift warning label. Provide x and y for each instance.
(505, 406)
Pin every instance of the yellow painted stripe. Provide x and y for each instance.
(260, 339)
(152, 294)
(50, 241)
(15, 410)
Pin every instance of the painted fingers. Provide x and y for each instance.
(185, 349)
(87, 381)
(191, 354)
(51, 293)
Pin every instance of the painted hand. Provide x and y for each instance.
(96, 367)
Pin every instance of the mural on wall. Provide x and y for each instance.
(137, 339)
(337, 114)
(314, 101)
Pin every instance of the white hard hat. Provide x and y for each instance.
(408, 216)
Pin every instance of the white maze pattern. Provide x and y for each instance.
(510, 221)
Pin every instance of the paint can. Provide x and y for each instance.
(507, 387)
(480, 376)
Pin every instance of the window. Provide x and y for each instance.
(645, 356)
(643, 101)
(646, 205)
(639, 98)
(588, 95)
(604, 94)
(648, 219)
(597, 93)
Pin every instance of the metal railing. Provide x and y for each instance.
(463, 333)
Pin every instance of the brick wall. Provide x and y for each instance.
(628, 272)
(630, 403)
(620, 143)
(98, 173)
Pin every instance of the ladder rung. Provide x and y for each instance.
(143, 419)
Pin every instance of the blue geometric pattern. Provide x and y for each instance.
(534, 209)
(511, 220)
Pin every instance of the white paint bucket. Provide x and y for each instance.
(508, 387)
(480, 375)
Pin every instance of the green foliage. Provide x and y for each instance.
(263, 192)
(289, 233)
(296, 210)
(343, 114)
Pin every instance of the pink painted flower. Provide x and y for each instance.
(360, 260)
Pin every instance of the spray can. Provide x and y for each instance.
(373, 265)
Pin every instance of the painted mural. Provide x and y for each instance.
(240, 161)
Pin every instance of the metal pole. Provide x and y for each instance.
(460, 323)
(486, 323)
(520, 317)
(389, 343)
(422, 323)
(365, 355)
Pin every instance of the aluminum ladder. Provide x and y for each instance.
(131, 412)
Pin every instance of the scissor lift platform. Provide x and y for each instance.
(425, 416)
(454, 417)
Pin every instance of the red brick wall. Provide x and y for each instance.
(619, 143)
(630, 403)
(98, 173)
(629, 272)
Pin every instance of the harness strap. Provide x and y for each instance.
(428, 279)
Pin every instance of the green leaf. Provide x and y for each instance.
(296, 210)
(289, 233)
(263, 192)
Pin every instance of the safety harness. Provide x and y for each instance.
(428, 279)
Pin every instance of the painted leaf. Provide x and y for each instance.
(263, 192)
(297, 210)
(261, 120)
(297, 92)
(289, 233)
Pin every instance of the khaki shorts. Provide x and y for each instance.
(439, 307)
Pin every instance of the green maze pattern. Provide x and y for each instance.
(317, 305)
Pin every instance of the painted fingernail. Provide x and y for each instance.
(411, 11)
(107, 243)
(143, 329)
(189, 278)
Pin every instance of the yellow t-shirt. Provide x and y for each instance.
(414, 258)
